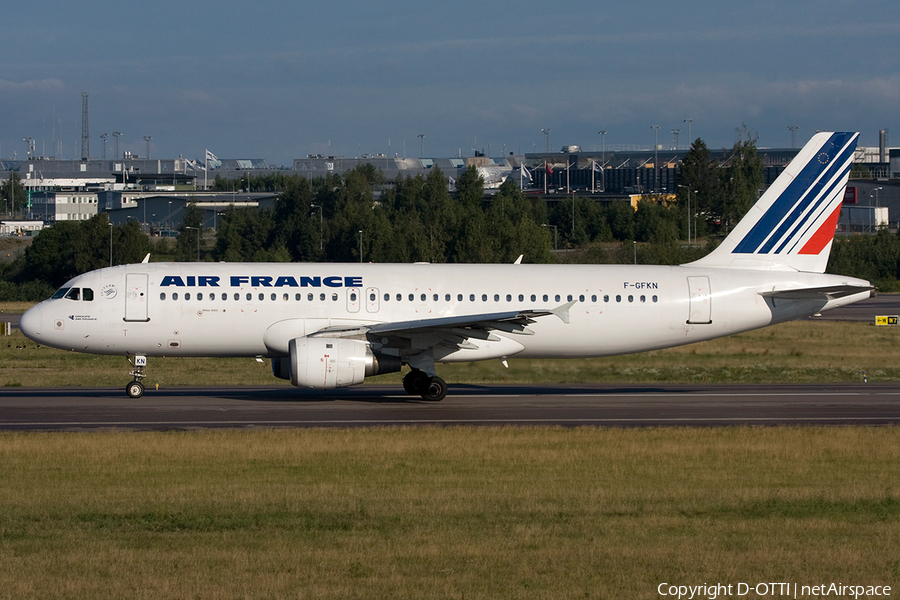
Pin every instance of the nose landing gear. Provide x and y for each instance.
(135, 389)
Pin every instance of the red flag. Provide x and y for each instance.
(549, 170)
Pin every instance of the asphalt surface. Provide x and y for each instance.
(364, 406)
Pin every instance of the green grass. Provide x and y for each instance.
(795, 352)
(444, 512)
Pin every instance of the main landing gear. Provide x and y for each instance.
(419, 383)
(135, 389)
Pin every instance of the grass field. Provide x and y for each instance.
(796, 352)
(444, 512)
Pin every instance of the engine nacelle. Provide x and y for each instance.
(326, 363)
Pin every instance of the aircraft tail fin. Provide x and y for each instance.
(791, 226)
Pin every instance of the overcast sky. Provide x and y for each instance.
(280, 80)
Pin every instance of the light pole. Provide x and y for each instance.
(320, 223)
(546, 132)
(197, 229)
(690, 139)
(655, 129)
(675, 132)
(117, 135)
(103, 137)
(602, 133)
(421, 137)
(689, 214)
(110, 241)
(875, 192)
(147, 139)
(793, 129)
(360, 246)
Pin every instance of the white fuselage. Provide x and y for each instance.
(255, 309)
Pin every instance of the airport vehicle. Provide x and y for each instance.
(331, 325)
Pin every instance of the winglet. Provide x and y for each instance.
(519, 260)
(146, 259)
(563, 311)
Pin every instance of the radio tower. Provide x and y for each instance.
(85, 144)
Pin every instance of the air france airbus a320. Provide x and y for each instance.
(332, 325)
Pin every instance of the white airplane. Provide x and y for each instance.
(332, 325)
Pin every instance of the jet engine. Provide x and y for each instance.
(326, 363)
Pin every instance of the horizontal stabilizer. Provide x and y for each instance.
(831, 292)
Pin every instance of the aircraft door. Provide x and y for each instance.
(701, 301)
(372, 301)
(136, 293)
(353, 300)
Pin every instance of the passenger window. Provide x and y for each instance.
(322, 297)
(447, 297)
(249, 296)
(199, 295)
(412, 297)
(162, 296)
(655, 298)
(387, 297)
(484, 297)
(605, 297)
(74, 294)
(546, 297)
(297, 297)
(618, 298)
(581, 298)
(533, 298)
(521, 297)
(399, 297)
(459, 297)
(352, 297)
(309, 297)
(87, 294)
(262, 296)
(471, 297)
(496, 297)
(334, 297)
(643, 298)
(372, 297)
(569, 298)
(557, 297)
(423, 297)
(237, 296)
(286, 297)
(594, 298)
(174, 295)
(187, 295)
(630, 298)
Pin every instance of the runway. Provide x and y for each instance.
(518, 405)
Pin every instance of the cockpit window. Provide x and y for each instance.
(73, 294)
(59, 293)
(87, 294)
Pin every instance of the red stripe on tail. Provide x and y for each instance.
(823, 236)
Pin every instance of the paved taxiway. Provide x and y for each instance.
(375, 405)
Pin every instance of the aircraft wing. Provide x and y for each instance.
(817, 293)
(416, 341)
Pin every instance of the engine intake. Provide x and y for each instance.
(326, 363)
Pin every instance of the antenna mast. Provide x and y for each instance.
(85, 144)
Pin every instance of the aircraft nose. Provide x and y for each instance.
(30, 323)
